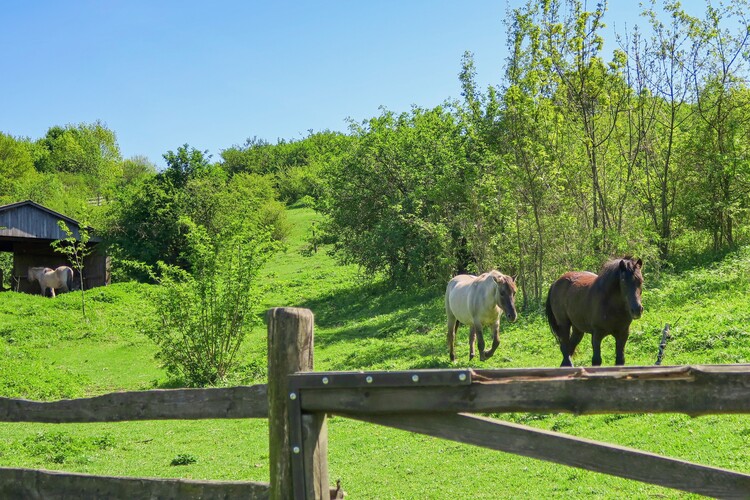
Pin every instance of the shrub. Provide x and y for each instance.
(203, 314)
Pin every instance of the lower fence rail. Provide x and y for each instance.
(46, 484)
(573, 451)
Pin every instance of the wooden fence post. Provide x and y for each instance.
(290, 350)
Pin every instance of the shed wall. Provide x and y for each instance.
(95, 267)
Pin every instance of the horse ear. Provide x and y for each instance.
(623, 266)
(639, 263)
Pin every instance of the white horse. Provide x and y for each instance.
(60, 278)
(478, 301)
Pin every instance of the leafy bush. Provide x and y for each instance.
(203, 314)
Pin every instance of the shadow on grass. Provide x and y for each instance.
(375, 324)
(701, 258)
(366, 300)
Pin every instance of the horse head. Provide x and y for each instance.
(631, 283)
(505, 295)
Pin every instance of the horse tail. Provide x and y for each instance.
(69, 279)
(550, 315)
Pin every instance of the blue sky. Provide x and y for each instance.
(161, 73)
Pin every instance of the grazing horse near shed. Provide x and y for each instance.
(478, 301)
(60, 278)
(603, 304)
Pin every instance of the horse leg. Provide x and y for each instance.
(495, 339)
(562, 332)
(480, 342)
(596, 344)
(575, 339)
(620, 340)
(452, 327)
(52, 292)
(472, 338)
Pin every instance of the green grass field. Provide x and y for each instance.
(47, 351)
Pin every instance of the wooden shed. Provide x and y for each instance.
(27, 229)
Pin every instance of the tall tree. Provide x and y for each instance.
(722, 105)
(591, 98)
(392, 199)
(663, 72)
(16, 167)
(185, 164)
(89, 150)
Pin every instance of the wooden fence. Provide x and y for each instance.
(432, 402)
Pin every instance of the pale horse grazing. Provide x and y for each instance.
(60, 278)
(478, 301)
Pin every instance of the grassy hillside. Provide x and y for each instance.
(48, 351)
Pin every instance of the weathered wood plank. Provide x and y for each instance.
(573, 451)
(608, 371)
(315, 449)
(692, 390)
(183, 404)
(37, 484)
(296, 471)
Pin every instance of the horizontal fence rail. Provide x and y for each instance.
(158, 404)
(694, 390)
(572, 451)
(31, 483)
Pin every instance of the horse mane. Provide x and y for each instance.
(508, 280)
(610, 270)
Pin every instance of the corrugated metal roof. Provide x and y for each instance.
(28, 219)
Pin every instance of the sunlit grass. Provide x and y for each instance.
(49, 352)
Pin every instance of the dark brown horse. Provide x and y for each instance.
(603, 304)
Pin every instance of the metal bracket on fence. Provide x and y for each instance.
(353, 380)
(296, 439)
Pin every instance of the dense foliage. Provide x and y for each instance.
(573, 156)
(393, 201)
(204, 313)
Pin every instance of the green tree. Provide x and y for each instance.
(88, 150)
(295, 166)
(136, 168)
(722, 105)
(185, 164)
(142, 225)
(205, 312)
(143, 220)
(663, 66)
(17, 171)
(391, 200)
(76, 249)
